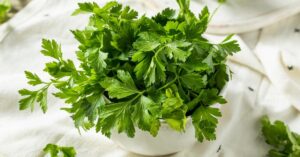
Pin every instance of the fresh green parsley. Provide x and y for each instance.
(5, 6)
(58, 151)
(136, 70)
(283, 141)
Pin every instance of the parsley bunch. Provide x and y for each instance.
(135, 71)
(5, 7)
(284, 142)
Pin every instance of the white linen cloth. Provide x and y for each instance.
(238, 16)
(262, 84)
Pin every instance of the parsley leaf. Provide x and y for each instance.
(205, 122)
(5, 7)
(284, 142)
(173, 49)
(229, 47)
(39, 96)
(97, 58)
(29, 100)
(174, 111)
(51, 49)
(117, 89)
(59, 151)
(146, 115)
(151, 65)
(33, 79)
(116, 115)
(193, 81)
(165, 16)
(85, 8)
(146, 42)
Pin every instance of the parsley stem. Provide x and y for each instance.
(137, 96)
(168, 84)
(193, 104)
(160, 49)
(214, 13)
(47, 85)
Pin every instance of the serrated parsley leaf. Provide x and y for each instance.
(173, 49)
(209, 61)
(146, 42)
(284, 142)
(85, 8)
(120, 89)
(204, 17)
(60, 69)
(39, 96)
(166, 15)
(146, 115)
(220, 77)
(97, 58)
(193, 81)
(184, 8)
(171, 27)
(128, 13)
(174, 111)
(28, 101)
(59, 151)
(229, 47)
(151, 67)
(42, 99)
(116, 115)
(33, 79)
(205, 122)
(51, 48)
(86, 111)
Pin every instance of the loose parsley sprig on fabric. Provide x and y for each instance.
(135, 71)
(221, 1)
(5, 7)
(59, 151)
(284, 142)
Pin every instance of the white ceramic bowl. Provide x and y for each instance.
(166, 142)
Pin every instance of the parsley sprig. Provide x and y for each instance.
(59, 151)
(283, 141)
(5, 6)
(135, 71)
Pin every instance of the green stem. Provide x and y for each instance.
(158, 51)
(214, 13)
(137, 96)
(192, 104)
(168, 84)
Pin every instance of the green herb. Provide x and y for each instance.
(5, 7)
(284, 143)
(135, 71)
(58, 151)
